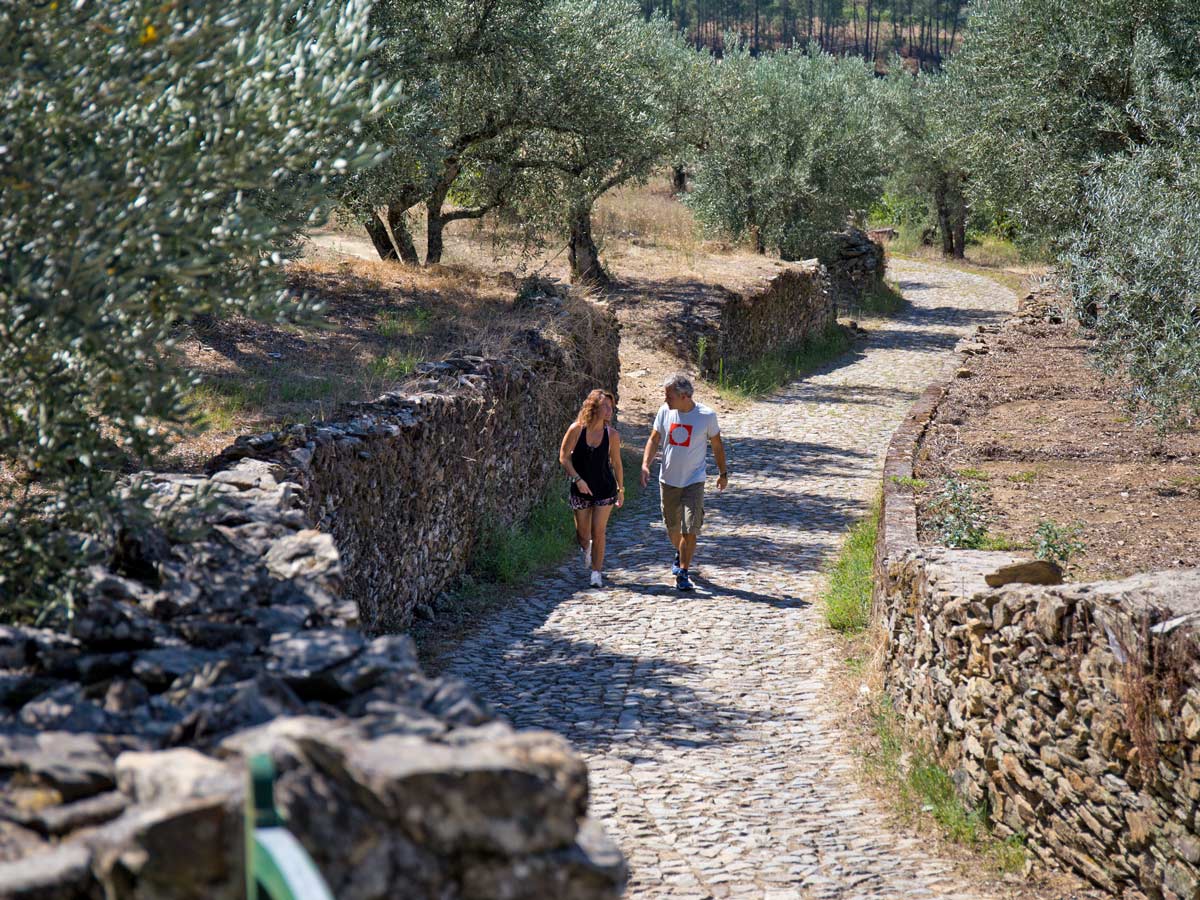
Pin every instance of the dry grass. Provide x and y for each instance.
(379, 320)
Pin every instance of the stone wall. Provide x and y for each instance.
(407, 484)
(221, 633)
(793, 307)
(1072, 710)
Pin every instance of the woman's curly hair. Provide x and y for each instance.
(591, 406)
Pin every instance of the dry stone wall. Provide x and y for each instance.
(1072, 710)
(224, 633)
(408, 483)
(793, 307)
(857, 265)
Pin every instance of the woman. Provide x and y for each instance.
(591, 454)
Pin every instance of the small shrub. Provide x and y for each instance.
(959, 516)
(907, 481)
(973, 474)
(394, 366)
(1058, 543)
(701, 350)
(406, 323)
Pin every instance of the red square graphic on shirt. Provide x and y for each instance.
(680, 435)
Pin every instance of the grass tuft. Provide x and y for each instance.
(848, 596)
(924, 788)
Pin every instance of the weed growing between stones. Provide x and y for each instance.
(882, 300)
(921, 787)
(910, 483)
(1155, 659)
(773, 370)
(848, 596)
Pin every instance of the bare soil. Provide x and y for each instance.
(1046, 437)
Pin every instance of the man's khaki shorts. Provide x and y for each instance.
(683, 506)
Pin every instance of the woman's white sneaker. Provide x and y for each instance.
(597, 579)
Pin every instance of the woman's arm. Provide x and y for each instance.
(614, 457)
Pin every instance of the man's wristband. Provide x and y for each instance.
(725, 474)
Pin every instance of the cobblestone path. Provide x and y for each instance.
(715, 759)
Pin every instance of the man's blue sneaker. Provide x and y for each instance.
(675, 570)
(682, 582)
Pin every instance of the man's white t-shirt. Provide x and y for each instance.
(684, 443)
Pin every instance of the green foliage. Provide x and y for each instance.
(910, 483)
(770, 371)
(1133, 268)
(506, 555)
(958, 514)
(1043, 93)
(795, 147)
(848, 596)
(1058, 543)
(157, 162)
(1082, 130)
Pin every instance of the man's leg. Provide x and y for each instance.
(687, 549)
(691, 502)
(672, 512)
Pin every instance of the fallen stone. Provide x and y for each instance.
(67, 708)
(590, 869)
(157, 669)
(1033, 571)
(191, 849)
(17, 841)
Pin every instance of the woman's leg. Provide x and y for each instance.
(583, 527)
(600, 516)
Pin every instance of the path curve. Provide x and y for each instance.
(715, 758)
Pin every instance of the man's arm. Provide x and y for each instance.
(648, 456)
(719, 456)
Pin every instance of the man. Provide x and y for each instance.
(688, 427)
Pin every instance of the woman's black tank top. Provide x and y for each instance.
(593, 465)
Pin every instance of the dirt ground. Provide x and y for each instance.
(1045, 437)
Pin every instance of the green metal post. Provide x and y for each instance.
(277, 867)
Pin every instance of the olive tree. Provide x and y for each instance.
(1133, 265)
(157, 161)
(624, 95)
(476, 74)
(796, 147)
(1045, 96)
(920, 113)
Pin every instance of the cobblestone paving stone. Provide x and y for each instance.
(715, 757)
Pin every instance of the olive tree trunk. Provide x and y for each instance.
(581, 248)
(399, 243)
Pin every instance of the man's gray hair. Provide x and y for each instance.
(680, 384)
